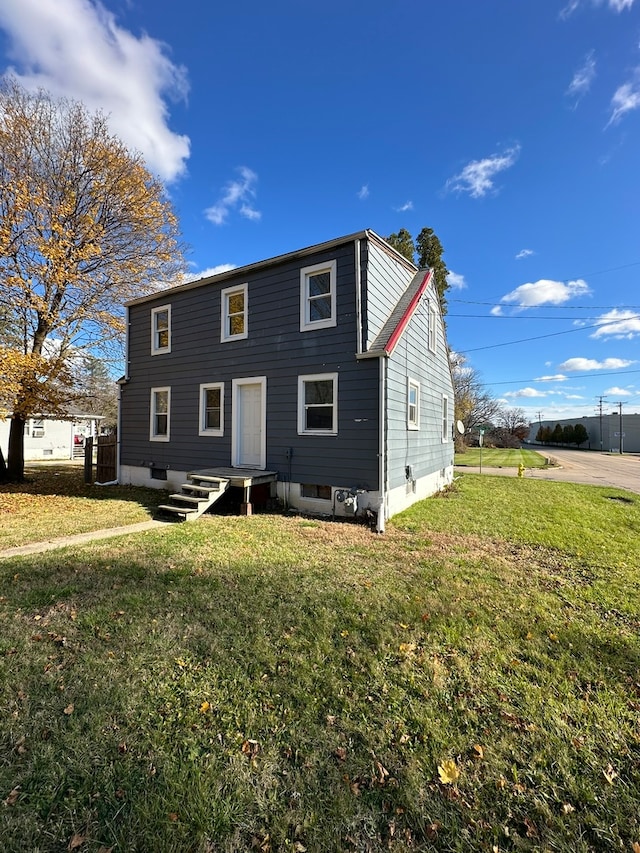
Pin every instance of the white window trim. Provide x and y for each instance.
(446, 429)
(157, 350)
(224, 312)
(306, 325)
(203, 430)
(433, 324)
(37, 428)
(316, 377)
(152, 414)
(415, 424)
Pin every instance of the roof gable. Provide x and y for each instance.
(406, 307)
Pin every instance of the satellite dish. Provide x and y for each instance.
(460, 427)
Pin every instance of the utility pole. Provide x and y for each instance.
(600, 399)
(621, 435)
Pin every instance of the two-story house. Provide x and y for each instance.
(324, 371)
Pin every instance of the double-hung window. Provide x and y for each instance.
(318, 404)
(233, 320)
(413, 404)
(160, 414)
(318, 296)
(161, 330)
(212, 409)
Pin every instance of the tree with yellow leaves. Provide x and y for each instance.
(84, 227)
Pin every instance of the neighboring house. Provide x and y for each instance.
(51, 438)
(325, 370)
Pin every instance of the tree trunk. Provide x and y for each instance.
(15, 458)
(3, 468)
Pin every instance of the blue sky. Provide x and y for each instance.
(510, 128)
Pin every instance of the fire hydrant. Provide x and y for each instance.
(521, 470)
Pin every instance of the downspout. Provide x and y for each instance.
(358, 298)
(120, 386)
(382, 459)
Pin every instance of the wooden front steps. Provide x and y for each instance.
(201, 492)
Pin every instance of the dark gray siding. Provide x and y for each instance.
(275, 348)
(422, 449)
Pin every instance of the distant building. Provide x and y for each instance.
(611, 437)
(52, 438)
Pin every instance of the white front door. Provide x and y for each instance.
(248, 443)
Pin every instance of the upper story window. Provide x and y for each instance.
(413, 404)
(432, 326)
(318, 296)
(160, 414)
(318, 404)
(212, 409)
(161, 330)
(233, 321)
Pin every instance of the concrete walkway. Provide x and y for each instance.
(79, 539)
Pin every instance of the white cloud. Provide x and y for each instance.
(209, 271)
(544, 292)
(408, 205)
(618, 392)
(574, 397)
(583, 78)
(617, 324)
(573, 364)
(75, 49)
(524, 253)
(526, 392)
(237, 195)
(615, 5)
(363, 192)
(625, 99)
(456, 281)
(477, 177)
(558, 377)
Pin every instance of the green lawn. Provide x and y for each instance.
(493, 457)
(54, 501)
(466, 682)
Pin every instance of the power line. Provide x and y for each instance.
(581, 376)
(548, 335)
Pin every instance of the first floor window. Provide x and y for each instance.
(318, 404)
(445, 419)
(212, 409)
(413, 404)
(160, 412)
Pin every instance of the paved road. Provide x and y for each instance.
(582, 466)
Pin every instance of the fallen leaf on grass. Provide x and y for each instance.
(609, 774)
(69, 709)
(567, 808)
(448, 772)
(77, 840)
(478, 751)
(250, 748)
(205, 707)
(635, 847)
(12, 799)
(407, 648)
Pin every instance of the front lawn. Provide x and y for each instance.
(495, 457)
(466, 682)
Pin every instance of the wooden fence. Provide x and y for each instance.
(105, 459)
